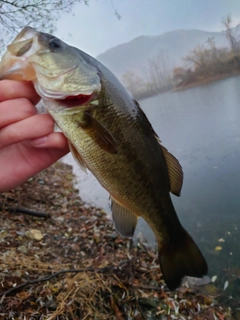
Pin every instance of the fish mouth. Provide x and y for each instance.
(20, 62)
(71, 102)
(14, 62)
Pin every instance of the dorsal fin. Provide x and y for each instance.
(175, 172)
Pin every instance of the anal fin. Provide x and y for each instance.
(125, 221)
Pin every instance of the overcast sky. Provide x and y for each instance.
(95, 28)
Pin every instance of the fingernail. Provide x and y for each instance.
(39, 141)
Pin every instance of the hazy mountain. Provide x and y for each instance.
(135, 54)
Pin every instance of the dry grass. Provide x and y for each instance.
(81, 269)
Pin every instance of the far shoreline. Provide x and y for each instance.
(205, 81)
(182, 87)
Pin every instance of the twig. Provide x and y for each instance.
(207, 308)
(138, 305)
(97, 270)
(150, 288)
(26, 211)
(31, 212)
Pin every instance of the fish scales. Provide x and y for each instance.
(109, 134)
(127, 175)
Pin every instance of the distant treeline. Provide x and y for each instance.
(158, 77)
(209, 62)
(206, 63)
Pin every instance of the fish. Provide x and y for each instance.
(110, 135)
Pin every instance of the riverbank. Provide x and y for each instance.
(204, 81)
(73, 264)
(185, 86)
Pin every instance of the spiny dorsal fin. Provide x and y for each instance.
(77, 157)
(175, 172)
(125, 221)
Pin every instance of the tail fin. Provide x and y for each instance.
(181, 258)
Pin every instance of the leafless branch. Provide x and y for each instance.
(15, 15)
(56, 274)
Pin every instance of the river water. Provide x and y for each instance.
(201, 128)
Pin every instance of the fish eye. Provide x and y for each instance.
(54, 44)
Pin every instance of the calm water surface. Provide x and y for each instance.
(200, 127)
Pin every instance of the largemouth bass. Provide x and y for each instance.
(110, 135)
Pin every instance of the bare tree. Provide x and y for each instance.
(207, 59)
(158, 70)
(42, 14)
(133, 82)
(227, 23)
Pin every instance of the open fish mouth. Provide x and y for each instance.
(14, 63)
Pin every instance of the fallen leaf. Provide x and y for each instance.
(225, 285)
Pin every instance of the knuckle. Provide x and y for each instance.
(27, 108)
(7, 136)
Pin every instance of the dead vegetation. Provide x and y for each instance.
(73, 265)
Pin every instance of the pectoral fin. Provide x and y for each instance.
(175, 172)
(78, 157)
(98, 132)
(125, 221)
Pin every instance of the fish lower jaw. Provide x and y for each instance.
(62, 95)
(47, 94)
(17, 70)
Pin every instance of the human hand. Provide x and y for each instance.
(28, 143)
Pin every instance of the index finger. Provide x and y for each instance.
(12, 89)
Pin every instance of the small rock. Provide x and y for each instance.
(111, 235)
(60, 219)
(17, 273)
(153, 303)
(83, 218)
(34, 234)
(77, 203)
(97, 237)
(22, 249)
(20, 233)
(75, 247)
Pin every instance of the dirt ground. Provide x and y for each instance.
(71, 264)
